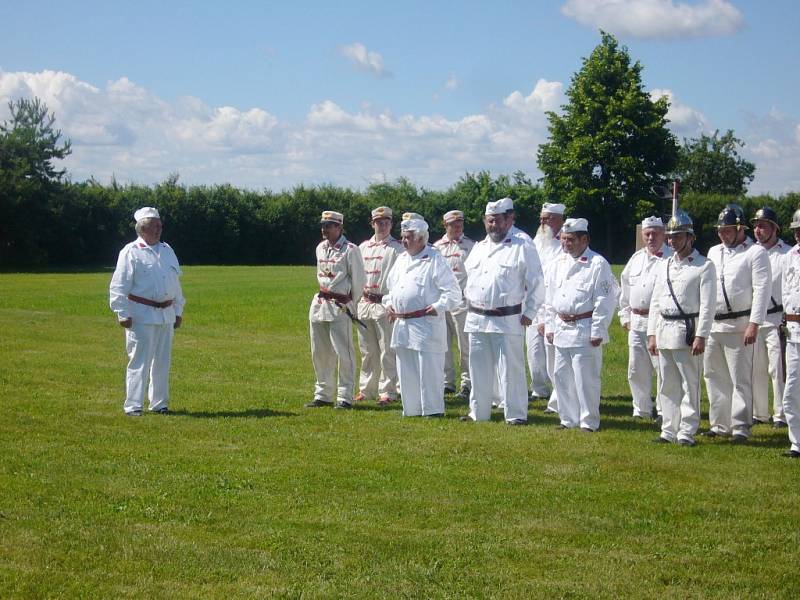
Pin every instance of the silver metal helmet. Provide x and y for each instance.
(795, 224)
(680, 222)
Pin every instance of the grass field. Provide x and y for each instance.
(242, 492)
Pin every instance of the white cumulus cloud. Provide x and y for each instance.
(364, 59)
(657, 19)
(684, 121)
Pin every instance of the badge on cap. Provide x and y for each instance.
(382, 212)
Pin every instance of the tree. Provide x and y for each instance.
(610, 145)
(711, 164)
(29, 145)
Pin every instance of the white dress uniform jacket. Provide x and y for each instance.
(501, 274)
(416, 282)
(339, 270)
(744, 282)
(790, 283)
(541, 355)
(378, 256)
(694, 282)
(149, 272)
(636, 290)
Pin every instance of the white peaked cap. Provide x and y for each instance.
(553, 209)
(575, 226)
(499, 207)
(652, 222)
(418, 225)
(146, 212)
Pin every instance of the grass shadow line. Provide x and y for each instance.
(257, 413)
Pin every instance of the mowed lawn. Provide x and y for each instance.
(241, 492)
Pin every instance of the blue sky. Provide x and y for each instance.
(270, 95)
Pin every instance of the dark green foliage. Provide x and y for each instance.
(712, 165)
(607, 149)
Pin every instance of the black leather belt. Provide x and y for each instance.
(679, 317)
(502, 311)
(775, 309)
(731, 315)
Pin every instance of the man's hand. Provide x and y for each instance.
(525, 321)
(596, 341)
(651, 345)
(750, 334)
(549, 338)
(391, 314)
(698, 346)
(126, 323)
(178, 321)
(540, 329)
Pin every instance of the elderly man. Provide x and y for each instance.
(340, 273)
(422, 288)
(378, 367)
(503, 291)
(455, 247)
(541, 355)
(790, 284)
(145, 293)
(678, 325)
(768, 352)
(581, 296)
(637, 281)
(745, 282)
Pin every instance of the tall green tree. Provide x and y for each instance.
(609, 145)
(29, 178)
(711, 164)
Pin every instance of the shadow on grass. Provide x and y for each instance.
(256, 413)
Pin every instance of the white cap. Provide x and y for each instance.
(418, 225)
(382, 212)
(331, 216)
(411, 215)
(499, 207)
(146, 212)
(575, 226)
(453, 215)
(553, 209)
(652, 222)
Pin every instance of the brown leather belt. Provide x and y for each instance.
(792, 318)
(374, 298)
(641, 311)
(573, 318)
(412, 315)
(326, 295)
(148, 302)
(502, 311)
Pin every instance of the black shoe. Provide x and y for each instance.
(449, 390)
(318, 403)
(688, 443)
(549, 411)
(134, 413)
(434, 416)
(161, 411)
(658, 421)
(517, 422)
(660, 440)
(759, 421)
(466, 418)
(561, 426)
(710, 433)
(343, 405)
(792, 454)
(779, 425)
(587, 429)
(738, 438)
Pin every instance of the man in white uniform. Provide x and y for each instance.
(768, 353)
(378, 367)
(503, 291)
(340, 273)
(455, 247)
(422, 288)
(743, 288)
(145, 293)
(678, 325)
(581, 296)
(790, 284)
(637, 281)
(541, 355)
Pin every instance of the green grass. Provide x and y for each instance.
(243, 493)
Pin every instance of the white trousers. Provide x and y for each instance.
(378, 363)
(149, 349)
(537, 362)
(641, 367)
(768, 361)
(497, 359)
(728, 367)
(550, 350)
(791, 394)
(679, 388)
(332, 343)
(577, 373)
(455, 329)
(422, 380)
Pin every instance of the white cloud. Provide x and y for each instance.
(772, 142)
(684, 121)
(365, 59)
(657, 19)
